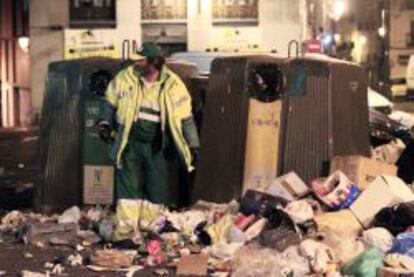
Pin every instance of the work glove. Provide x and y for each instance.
(195, 154)
(104, 131)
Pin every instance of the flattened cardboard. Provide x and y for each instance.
(193, 265)
(383, 192)
(342, 221)
(361, 170)
(289, 186)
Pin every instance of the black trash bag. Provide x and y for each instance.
(308, 228)
(280, 232)
(167, 228)
(395, 219)
(259, 203)
(203, 237)
(405, 164)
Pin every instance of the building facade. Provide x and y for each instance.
(177, 25)
(14, 64)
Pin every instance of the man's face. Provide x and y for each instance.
(143, 67)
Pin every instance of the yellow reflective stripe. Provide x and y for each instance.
(149, 117)
(151, 105)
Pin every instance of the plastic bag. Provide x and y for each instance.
(395, 219)
(299, 211)
(280, 232)
(389, 153)
(404, 244)
(337, 191)
(366, 264)
(320, 256)
(378, 237)
(259, 203)
(253, 261)
(219, 232)
(13, 219)
(71, 215)
(224, 250)
(187, 221)
(293, 263)
(255, 229)
(345, 246)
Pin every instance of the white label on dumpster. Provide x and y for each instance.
(98, 186)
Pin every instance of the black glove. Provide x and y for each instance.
(195, 154)
(105, 130)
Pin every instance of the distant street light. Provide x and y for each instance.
(327, 39)
(338, 9)
(381, 31)
(337, 37)
(363, 40)
(24, 43)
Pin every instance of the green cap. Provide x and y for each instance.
(150, 50)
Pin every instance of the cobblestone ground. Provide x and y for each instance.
(13, 261)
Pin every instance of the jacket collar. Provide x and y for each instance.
(165, 75)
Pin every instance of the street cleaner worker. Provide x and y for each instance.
(147, 113)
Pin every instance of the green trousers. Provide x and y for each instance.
(145, 173)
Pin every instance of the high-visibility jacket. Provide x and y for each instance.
(123, 98)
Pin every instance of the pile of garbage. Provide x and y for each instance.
(359, 221)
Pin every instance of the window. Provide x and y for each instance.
(235, 12)
(92, 13)
(172, 11)
(410, 41)
(20, 18)
(409, 4)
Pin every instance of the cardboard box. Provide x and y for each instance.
(361, 170)
(343, 221)
(98, 184)
(288, 186)
(384, 191)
